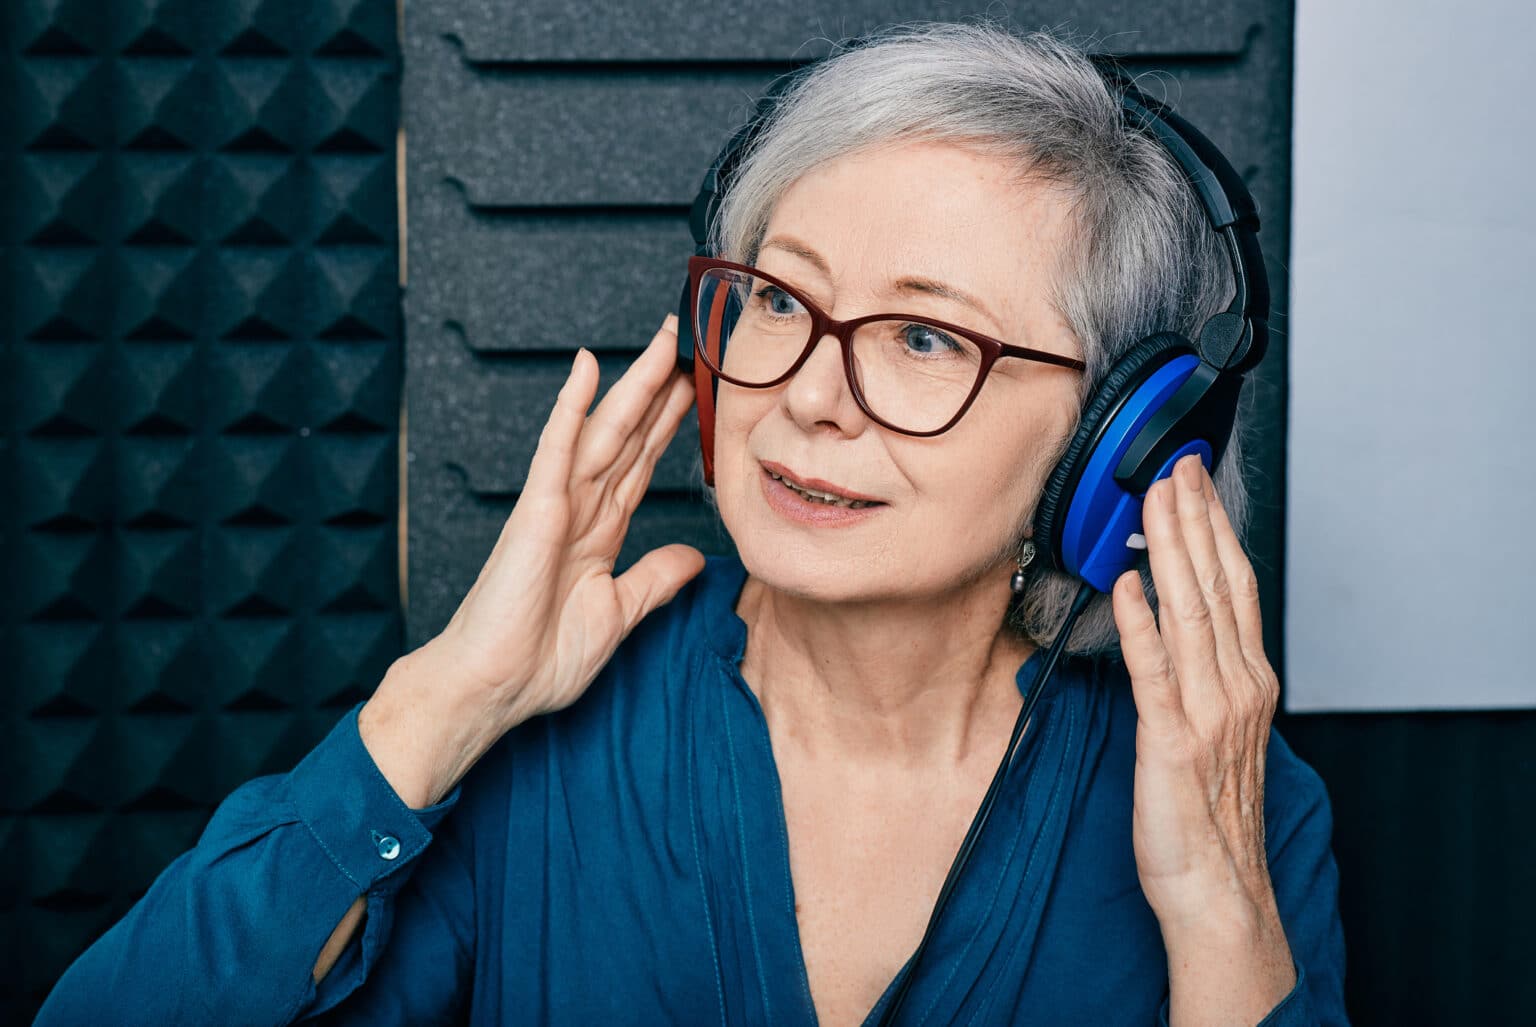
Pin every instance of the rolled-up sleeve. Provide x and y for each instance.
(230, 932)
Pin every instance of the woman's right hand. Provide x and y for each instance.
(546, 612)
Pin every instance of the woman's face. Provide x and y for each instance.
(909, 228)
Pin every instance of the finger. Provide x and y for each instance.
(602, 512)
(1241, 580)
(1154, 684)
(532, 534)
(657, 437)
(1210, 573)
(634, 442)
(1183, 616)
(622, 409)
(550, 469)
(655, 579)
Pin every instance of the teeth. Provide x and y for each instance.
(819, 497)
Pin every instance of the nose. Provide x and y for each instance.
(819, 393)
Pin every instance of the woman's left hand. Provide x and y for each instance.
(1205, 696)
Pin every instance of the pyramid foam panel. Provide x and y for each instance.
(201, 389)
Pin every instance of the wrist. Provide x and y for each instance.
(1221, 923)
(424, 727)
(1232, 963)
(1220, 895)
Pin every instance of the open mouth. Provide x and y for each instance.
(811, 495)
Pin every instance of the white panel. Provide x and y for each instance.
(1410, 574)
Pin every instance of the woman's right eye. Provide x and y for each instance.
(778, 302)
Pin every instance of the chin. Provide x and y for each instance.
(849, 567)
(826, 565)
(796, 571)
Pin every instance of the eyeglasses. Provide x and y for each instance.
(916, 376)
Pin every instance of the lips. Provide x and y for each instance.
(815, 490)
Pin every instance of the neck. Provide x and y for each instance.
(906, 683)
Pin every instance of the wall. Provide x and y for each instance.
(199, 386)
(1410, 360)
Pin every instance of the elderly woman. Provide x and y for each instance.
(741, 808)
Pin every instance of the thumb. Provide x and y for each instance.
(655, 579)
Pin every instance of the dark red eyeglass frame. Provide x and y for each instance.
(823, 324)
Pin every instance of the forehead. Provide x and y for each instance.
(934, 209)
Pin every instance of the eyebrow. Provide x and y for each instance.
(908, 283)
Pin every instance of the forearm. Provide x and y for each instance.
(340, 938)
(423, 732)
(1229, 965)
(230, 932)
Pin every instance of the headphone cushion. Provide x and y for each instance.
(1130, 369)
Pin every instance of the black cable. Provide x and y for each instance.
(1036, 689)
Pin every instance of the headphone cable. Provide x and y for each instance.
(1036, 689)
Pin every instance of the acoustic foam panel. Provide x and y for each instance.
(201, 374)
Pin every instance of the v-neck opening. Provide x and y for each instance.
(774, 914)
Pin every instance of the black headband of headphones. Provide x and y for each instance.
(1234, 340)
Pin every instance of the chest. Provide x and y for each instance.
(868, 861)
(711, 880)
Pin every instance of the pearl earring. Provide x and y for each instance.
(1026, 557)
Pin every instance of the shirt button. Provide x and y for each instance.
(389, 845)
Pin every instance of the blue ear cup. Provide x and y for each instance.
(1087, 523)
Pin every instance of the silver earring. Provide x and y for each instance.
(1026, 557)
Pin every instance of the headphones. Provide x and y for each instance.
(1162, 400)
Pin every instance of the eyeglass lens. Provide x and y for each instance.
(911, 374)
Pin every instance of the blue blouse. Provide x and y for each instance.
(625, 861)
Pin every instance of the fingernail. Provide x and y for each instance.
(1192, 471)
(670, 321)
(1210, 488)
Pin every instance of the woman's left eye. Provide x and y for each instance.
(927, 341)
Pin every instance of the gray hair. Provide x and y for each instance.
(1143, 257)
